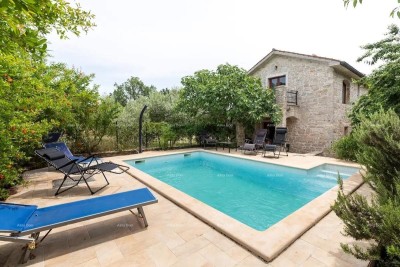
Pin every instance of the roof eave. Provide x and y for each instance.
(347, 69)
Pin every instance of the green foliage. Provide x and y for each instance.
(346, 148)
(26, 94)
(24, 24)
(132, 89)
(227, 95)
(91, 129)
(162, 122)
(395, 11)
(384, 83)
(379, 149)
(378, 138)
(36, 98)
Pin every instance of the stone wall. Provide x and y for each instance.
(320, 117)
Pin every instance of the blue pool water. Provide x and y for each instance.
(254, 193)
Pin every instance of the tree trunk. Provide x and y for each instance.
(240, 136)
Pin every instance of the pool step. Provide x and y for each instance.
(332, 175)
(327, 177)
(328, 172)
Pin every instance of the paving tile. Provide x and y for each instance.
(192, 260)
(193, 232)
(252, 261)
(216, 256)
(161, 255)
(282, 261)
(298, 252)
(192, 246)
(170, 238)
(91, 263)
(237, 253)
(312, 262)
(329, 259)
(138, 259)
(137, 242)
(219, 240)
(108, 253)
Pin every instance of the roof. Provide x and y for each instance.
(338, 65)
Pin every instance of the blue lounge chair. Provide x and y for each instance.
(23, 223)
(64, 148)
(69, 167)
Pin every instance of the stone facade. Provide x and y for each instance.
(319, 118)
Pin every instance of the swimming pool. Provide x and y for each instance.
(255, 193)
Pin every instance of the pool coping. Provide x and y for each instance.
(266, 244)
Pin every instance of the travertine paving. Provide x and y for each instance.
(174, 237)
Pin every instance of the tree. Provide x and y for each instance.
(97, 123)
(162, 122)
(131, 89)
(384, 83)
(227, 95)
(377, 220)
(395, 11)
(34, 99)
(383, 87)
(25, 24)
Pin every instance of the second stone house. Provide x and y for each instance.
(315, 94)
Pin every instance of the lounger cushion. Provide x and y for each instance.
(270, 147)
(249, 146)
(54, 154)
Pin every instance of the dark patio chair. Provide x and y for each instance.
(70, 167)
(278, 143)
(207, 139)
(258, 141)
(51, 137)
(64, 148)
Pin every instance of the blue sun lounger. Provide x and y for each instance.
(23, 223)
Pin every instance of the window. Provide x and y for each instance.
(346, 92)
(277, 81)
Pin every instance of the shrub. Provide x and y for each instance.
(346, 148)
(378, 221)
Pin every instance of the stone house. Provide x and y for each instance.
(315, 94)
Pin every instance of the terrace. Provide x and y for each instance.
(174, 237)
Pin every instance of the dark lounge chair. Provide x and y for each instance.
(278, 143)
(255, 144)
(23, 223)
(248, 147)
(64, 148)
(69, 167)
(51, 137)
(206, 139)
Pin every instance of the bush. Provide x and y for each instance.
(378, 221)
(346, 148)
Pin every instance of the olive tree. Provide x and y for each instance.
(227, 95)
